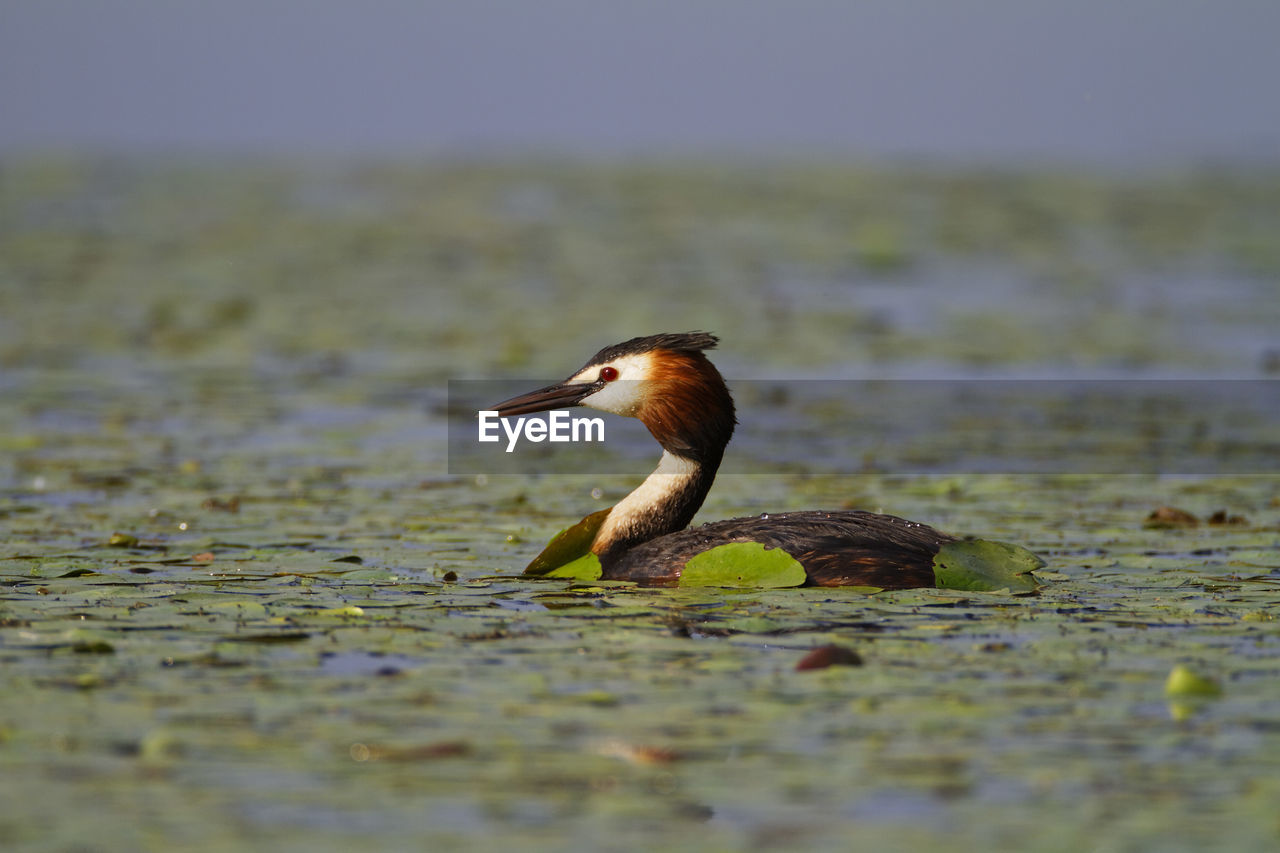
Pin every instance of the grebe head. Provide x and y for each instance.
(664, 380)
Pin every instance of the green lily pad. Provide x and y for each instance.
(585, 568)
(743, 564)
(982, 565)
(1186, 682)
(349, 610)
(568, 546)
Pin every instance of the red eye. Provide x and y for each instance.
(608, 374)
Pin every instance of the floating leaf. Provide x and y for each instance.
(369, 575)
(349, 610)
(241, 609)
(984, 565)
(743, 564)
(568, 545)
(751, 625)
(1183, 682)
(585, 568)
(93, 647)
(77, 573)
(159, 746)
(281, 637)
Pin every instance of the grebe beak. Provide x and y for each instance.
(558, 396)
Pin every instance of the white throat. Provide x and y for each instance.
(671, 477)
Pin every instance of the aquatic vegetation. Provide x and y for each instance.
(242, 602)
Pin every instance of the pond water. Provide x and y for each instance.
(245, 602)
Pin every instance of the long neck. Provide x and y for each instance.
(693, 419)
(664, 503)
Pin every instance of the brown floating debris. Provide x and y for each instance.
(636, 753)
(1221, 517)
(423, 752)
(829, 655)
(229, 505)
(1170, 517)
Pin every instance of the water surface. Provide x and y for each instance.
(245, 603)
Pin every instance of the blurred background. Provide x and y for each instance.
(1136, 83)
(285, 195)
(501, 185)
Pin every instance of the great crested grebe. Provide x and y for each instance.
(669, 384)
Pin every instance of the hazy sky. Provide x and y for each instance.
(1111, 81)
